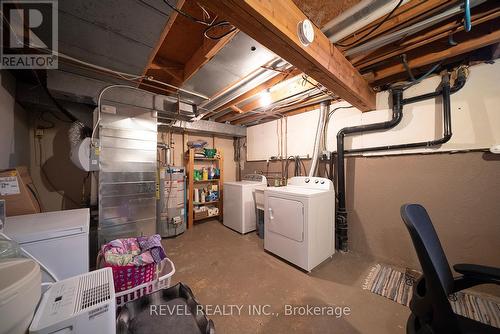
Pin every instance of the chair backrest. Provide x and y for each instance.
(434, 264)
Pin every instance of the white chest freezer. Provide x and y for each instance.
(59, 240)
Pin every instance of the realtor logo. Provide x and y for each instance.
(29, 34)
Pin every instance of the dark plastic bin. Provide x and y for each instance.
(137, 317)
(260, 223)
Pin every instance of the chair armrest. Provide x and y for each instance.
(473, 275)
(477, 270)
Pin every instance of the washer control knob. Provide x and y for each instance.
(322, 182)
(317, 181)
(307, 180)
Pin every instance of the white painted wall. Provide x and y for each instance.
(475, 121)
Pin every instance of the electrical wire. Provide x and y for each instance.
(327, 122)
(220, 36)
(209, 25)
(388, 16)
(122, 75)
(404, 86)
(99, 98)
(189, 16)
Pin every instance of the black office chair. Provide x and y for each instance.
(430, 307)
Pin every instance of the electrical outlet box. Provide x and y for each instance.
(95, 150)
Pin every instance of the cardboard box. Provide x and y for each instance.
(18, 191)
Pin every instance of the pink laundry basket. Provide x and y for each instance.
(127, 277)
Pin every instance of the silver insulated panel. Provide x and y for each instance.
(127, 177)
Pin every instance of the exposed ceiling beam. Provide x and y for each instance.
(166, 30)
(279, 94)
(440, 32)
(405, 15)
(207, 50)
(161, 63)
(174, 34)
(303, 109)
(274, 24)
(433, 57)
(175, 69)
(256, 90)
(236, 109)
(305, 106)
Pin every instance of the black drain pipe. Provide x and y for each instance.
(445, 92)
(398, 103)
(341, 215)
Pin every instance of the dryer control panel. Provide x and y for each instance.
(255, 178)
(311, 182)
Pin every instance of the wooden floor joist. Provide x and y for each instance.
(207, 50)
(449, 52)
(256, 90)
(274, 25)
(442, 31)
(405, 15)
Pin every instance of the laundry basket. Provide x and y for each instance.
(133, 283)
(129, 276)
(161, 280)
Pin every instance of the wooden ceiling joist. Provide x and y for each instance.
(462, 47)
(182, 49)
(405, 15)
(207, 50)
(308, 105)
(441, 32)
(274, 25)
(256, 90)
(164, 34)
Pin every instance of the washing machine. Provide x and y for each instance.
(239, 202)
(299, 221)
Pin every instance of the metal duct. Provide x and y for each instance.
(356, 17)
(323, 112)
(402, 33)
(275, 105)
(256, 78)
(207, 127)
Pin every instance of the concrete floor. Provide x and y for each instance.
(223, 267)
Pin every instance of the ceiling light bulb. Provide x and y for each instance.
(265, 98)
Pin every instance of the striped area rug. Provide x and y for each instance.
(396, 285)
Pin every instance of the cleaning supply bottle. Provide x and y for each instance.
(205, 174)
(211, 172)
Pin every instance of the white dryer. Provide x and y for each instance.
(299, 221)
(239, 203)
